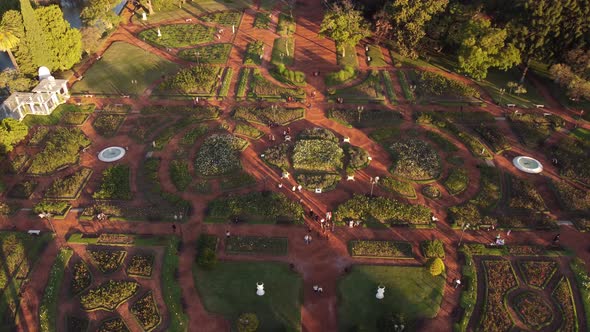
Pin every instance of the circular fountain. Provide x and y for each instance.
(112, 153)
(528, 164)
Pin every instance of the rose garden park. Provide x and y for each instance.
(295, 165)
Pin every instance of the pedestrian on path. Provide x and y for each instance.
(307, 239)
(508, 233)
(457, 282)
(315, 288)
(556, 239)
(227, 234)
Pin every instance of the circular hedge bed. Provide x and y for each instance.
(534, 312)
(415, 160)
(431, 192)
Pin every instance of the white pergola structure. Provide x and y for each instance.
(45, 97)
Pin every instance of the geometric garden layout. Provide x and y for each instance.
(220, 166)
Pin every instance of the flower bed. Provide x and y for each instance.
(431, 192)
(324, 181)
(201, 80)
(81, 277)
(107, 261)
(457, 181)
(244, 129)
(114, 183)
(69, 186)
(218, 155)
(261, 88)
(115, 239)
(532, 310)
(433, 248)
(107, 125)
(178, 35)
(278, 156)
(227, 18)
(109, 295)
(62, 148)
(434, 84)
(259, 207)
(368, 91)
(254, 53)
(380, 249)
(141, 265)
(573, 157)
(383, 210)
(276, 246)
(499, 280)
(113, 325)
(494, 137)
(490, 188)
(75, 324)
(441, 142)
(38, 136)
(523, 195)
(23, 189)
(58, 209)
(571, 198)
(563, 295)
(191, 136)
(74, 118)
(146, 312)
(242, 85)
(394, 185)
(357, 158)
(212, 54)
(415, 160)
(537, 273)
(281, 116)
(317, 155)
(179, 174)
(237, 181)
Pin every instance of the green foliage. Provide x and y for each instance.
(276, 246)
(242, 85)
(171, 291)
(146, 312)
(430, 83)
(109, 295)
(12, 132)
(13, 80)
(23, 189)
(415, 160)
(457, 181)
(107, 261)
(262, 21)
(288, 76)
(257, 207)
(572, 198)
(61, 148)
(388, 86)
(369, 90)
(442, 142)
(247, 130)
(237, 181)
(395, 185)
(268, 115)
(226, 18)
(212, 54)
(383, 210)
(178, 35)
(64, 43)
(403, 81)
(219, 154)
(68, 186)
(344, 24)
(202, 79)
(483, 46)
(283, 51)
(191, 136)
(340, 77)
(524, 195)
(141, 265)
(48, 309)
(115, 324)
(371, 118)
(317, 155)
(436, 266)
(179, 174)
(433, 248)
(380, 249)
(278, 155)
(357, 158)
(491, 135)
(286, 25)
(254, 53)
(324, 181)
(108, 124)
(100, 13)
(56, 208)
(225, 84)
(91, 39)
(263, 88)
(376, 55)
(114, 183)
(490, 188)
(81, 277)
(247, 322)
(34, 36)
(206, 248)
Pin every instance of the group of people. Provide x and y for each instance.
(318, 289)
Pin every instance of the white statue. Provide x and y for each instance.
(380, 292)
(259, 288)
(143, 16)
(159, 33)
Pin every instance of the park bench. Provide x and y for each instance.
(510, 105)
(540, 106)
(34, 232)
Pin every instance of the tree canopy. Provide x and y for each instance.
(8, 41)
(100, 14)
(35, 37)
(64, 43)
(483, 46)
(11, 133)
(574, 74)
(345, 25)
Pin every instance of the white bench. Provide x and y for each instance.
(510, 105)
(34, 232)
(540, 106)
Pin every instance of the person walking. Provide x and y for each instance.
(556, 239)
(227, 234)
(457, 282)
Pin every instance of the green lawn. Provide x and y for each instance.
(498, 79)
(178, 35)
(230, 290)
(377, 59)
(349, 59)
(121, 64)
(542, 72)
(170, 11)
(582, 133)
(57, 115)
(279, 51)
(412, 291)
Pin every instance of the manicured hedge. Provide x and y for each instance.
(457, 181)
(380, 249)
(382, 209)
(48, 311)
(265, 207)
(69, 186)
(395, 185)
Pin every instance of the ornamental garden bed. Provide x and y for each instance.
(263, 89)
(570, 197)
(255, 207)
(115, 324)
(370, 90)
(23, 189)
(141, 265)
(415, 160)
(564, 296)
(410, 291)
(146, 312)
(62, 147)
(226, 18)
(532, 310)
(275, 246)
(313, 181)
(109, 295)
(81, 278)
(219, 155)
(493, 137)
(573, 156)
(499, 280)
(537, 273)
(178, 35)
(435, 87)
(236, 181)
(533, 128)
(269, 115)
(398, 186)
(457, 181)
(107, 261)
(114, 184)
(380, 249)
(361, 118)
(202, 80)
(107, 125)
(216, 54)
(254, 53)
(57, 209)
(69, 186)
(248, 131)
(524, 196)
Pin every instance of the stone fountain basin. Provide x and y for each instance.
(111, 154)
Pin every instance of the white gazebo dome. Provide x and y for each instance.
(44, 73)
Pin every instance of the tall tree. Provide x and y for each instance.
(99, 13)
(11, 133)
(408, 21)
(64, 43)
(574, 74)
(13, 20)
(35, 38)
(345, 25)
(538, 21)
(8, 41)
(484, 46)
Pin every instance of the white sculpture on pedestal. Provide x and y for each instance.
(159, 33)
(144, 16)
(259, 288)
(380, 292)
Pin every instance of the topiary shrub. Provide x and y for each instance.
(436, 266)
(433, 249)
(247, 322)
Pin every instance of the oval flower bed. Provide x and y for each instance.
(415, 160)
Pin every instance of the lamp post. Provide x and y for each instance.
(374, 180)
(463, 228)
